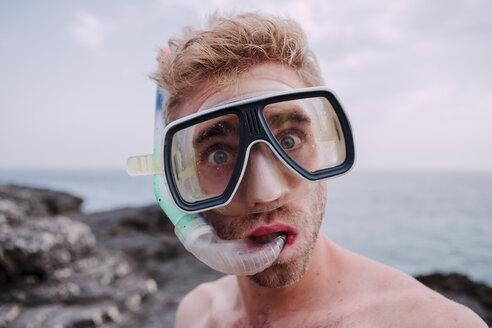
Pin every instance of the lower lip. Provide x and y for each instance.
(290, 239)
(291, 236)
(288, 242)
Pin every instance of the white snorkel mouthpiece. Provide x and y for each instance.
(237, 257)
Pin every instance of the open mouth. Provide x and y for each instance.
(264, 239)
(265, 234)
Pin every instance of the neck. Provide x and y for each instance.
(259, 301)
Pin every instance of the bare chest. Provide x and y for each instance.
(323, 319)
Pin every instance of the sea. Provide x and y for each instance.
(416, 221)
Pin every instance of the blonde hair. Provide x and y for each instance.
(228, 47)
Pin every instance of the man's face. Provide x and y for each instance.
(270, 199)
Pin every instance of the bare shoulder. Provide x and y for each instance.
(434, 309)
(195, 307)
(405, 302)
(388, 297)
(425, 307)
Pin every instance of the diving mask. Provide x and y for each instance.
(200, 160)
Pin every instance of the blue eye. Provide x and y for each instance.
(218, 157)
(289, 141)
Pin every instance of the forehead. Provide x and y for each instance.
(260, 79)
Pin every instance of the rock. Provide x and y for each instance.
(145, 233)
(33, 317)
(38, 247)
(122, 268)
(86, 315)
(147, 219)
(17, 203)
(52, 272)
(11, 213)
(8, 312)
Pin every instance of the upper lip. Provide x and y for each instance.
(272, 228)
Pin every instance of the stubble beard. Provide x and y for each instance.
(287, 272)
(309, 214)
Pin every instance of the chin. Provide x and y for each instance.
(286, 270)
(278, 275)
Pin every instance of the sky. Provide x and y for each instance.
(415, 77)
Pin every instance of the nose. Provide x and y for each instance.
(264, 181)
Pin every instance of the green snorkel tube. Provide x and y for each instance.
(237, 257)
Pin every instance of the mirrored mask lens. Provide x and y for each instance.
(309, 132)
(204, 156)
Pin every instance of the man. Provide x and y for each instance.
(313, 282)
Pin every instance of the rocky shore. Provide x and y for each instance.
(122, 268)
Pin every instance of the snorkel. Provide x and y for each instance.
(235, 257)
(199, 161)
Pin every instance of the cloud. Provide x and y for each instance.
(414, 75)
(87, 30)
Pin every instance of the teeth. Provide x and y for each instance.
(266, 238)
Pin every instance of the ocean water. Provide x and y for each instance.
(418, 222)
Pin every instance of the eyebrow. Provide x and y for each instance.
(277, 120)
(219, 129)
